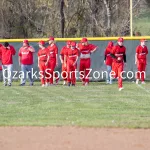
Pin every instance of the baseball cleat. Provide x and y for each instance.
(22, 84)
(43, 85)
(120, 89)
(86, 83)
(137, 81)
(143, 82)
(69, 84)
(47, 84)
(9, 84)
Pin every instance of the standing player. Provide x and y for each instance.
(62, 54)
(0, 59)
(141, 61)
(108, 61)
(53, 61)
(119, 58)
(7, 52)
(85, 50)
(26, 61)
(43, 59)
(72, 56)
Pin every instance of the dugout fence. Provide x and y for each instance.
(97, 63)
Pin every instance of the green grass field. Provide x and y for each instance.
(142, 23)
(97, 105)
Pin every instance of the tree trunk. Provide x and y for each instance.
(108, 12)
(62, 18)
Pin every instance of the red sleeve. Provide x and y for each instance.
(56, 49)
(124, 50)
(38, 53)
(66, 52)
(113, 50)
(62, 51)
(92, 47)
(137, 49)
(77, 53)
(106, 52)
(0, 53)
(47, 51)
(13, 50)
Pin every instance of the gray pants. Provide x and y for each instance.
(27, 72)
(109, 79)
(7, 73)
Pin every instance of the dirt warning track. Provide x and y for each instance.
(73, 138)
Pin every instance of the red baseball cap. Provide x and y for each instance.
(110, 44)
(73, 44)
(143, 40)
(42, 42)
(120, 39)
(51, 38)
(68, 43)
(26, 41)
(84, 40)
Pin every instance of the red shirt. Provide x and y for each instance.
(43, 54)
(86, 49)
(119, 52)
(107, 55)
(63, 51)
(141, 52)
(26, 55)
(0, 58)
(53, 50)
(7, 54)
(72, 54)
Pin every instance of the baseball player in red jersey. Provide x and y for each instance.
(108, 61)
(72, 56)
(62, 54)
(119, 58)
(85, 50)
(43, 59)
(53, 61)
(0, 60)
(26, 61)
(141, 61)
(7, 52)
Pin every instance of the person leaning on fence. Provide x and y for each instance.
(108, 61)
(6, 52)
(26, 62)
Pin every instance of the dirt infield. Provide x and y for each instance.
(73, 138)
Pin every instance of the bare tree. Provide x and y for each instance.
(62, 20)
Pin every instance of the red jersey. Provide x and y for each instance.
(119, 52)
(63, 51)
(53, 50)
(109, 59)
(86, 49)
(7, 54)
(43, 54)
(0, 52)
(0, 58)
(72, 54)
(26, 55)
(141, 52)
